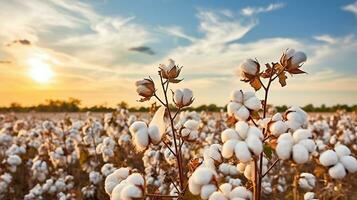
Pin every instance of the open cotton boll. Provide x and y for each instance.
(242, 152)
(286, 137)
(283, 149)
(202, 175)
(229, 134)
(307, 181)
(300, 154)
(350, 163)
(115, 178)
(242, 113)
(131, 192)
(341, 150)
(137, 126)
(226, 188)
(308, 144)
(217, 196)
(328, 158)
(154, 134)
(207, 190)
(309, 196)
(338, 171)
(254, 144)
(301, 134)
(115, 194)
(240, 192)
(158, 120)
(277, 128)
(194, 188)
(232, 107)
(136, 179)
(242, 129)
(237, 96)
(255, 131)
(213, 152)
(141, 139)
(253, 103)
(228, 148)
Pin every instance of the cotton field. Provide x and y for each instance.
(248, 151)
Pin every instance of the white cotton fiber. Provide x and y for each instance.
(242, 113)
(202, 176)
(253, 103)
(217, 196)
(300, 154)
(131, 192)
(328, 158)
(228, 148)
(154, 134)
(283, 149)
(338, 171)
(136, 179)
(229, 134)
(308, 144)
(225, 188)
(254, 144)
(242, 128)
(242, 152)
(342, 150)
(194, 188)
(350, 163)
(207, 190)
(301, 134)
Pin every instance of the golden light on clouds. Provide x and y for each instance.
(40, 69)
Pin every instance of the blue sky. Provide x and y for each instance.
(99, 48)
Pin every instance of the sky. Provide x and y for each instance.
(96, 50)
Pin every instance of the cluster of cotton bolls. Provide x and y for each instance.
(39, 170)
(297, 146)
(5, 181)
(227, 191)
(144, 134)
(106, 148)
(307, 181)
(244, 141)
(122, 184)
(242, 104)
(59, 187)
(339, 161)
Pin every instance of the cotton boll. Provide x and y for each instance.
(194, 188)
(254, 144)
(338, 171)
(240, 192)
(283, 149)
(229, 134)
(141, 139)
(341, 150)
(301, 134)
(308, 144)
(309, 196)
(237, 96)
(241, 167)
(248, 171)
(137, 126)
(158, 121)
(278, 128)
(242, 152)
(154, 134)
(202, 176)
(286, 137)
(226, 188)
(217, 196)
(300, 154)
(115, 194)
(328, 158)
(248, 95)
(255, 131)
(350, 163)
(277, 117)
(131, 192)
(207, 190)
(242, 113)
(228, 148)
(253, 103)
(136, 179)
(242, 128)
(232, 107)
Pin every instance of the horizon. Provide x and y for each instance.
(96, 50)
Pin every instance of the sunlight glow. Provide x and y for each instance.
(40, 71)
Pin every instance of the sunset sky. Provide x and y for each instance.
(96, 50)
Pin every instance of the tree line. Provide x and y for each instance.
(74, 105)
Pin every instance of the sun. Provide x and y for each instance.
(40, 70)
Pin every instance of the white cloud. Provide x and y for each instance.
(177, 32)
(351, 8)
(249, 11)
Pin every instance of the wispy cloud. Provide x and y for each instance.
(249, 11)
(351, 8)
(143, 49)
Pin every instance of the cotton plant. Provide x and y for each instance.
(255, 135)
